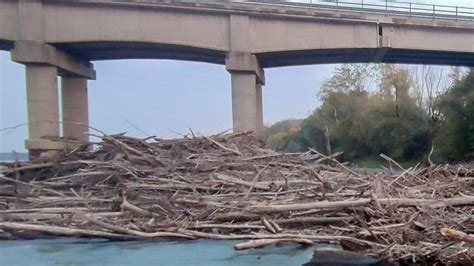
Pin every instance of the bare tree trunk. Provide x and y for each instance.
(328, 141)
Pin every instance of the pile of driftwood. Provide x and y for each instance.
(229, 186)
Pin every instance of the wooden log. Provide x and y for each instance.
(336, 161)
(27, 167)
(466, 200)
(236, 216)
(46, 210)
(268, 226)
(314, 220)
(173, 186)
(275, 226)
(272, 156)
(223, 147)
(266, 242)
(254, 181)
(226, 226)
(316, 238)
(126, 231)
(64, 231)
(457, 235)
(309, 206)
(34, 216)
(134, 209)
(239, 181)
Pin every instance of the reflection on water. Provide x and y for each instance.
(101, 252)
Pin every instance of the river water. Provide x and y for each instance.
(69, 251)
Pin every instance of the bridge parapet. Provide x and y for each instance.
(307, 7)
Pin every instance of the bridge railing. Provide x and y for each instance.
(370, 6)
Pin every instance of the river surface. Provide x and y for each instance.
(68, 251)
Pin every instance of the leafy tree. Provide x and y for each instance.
(284, 135)
(351, 77)
(364, 120)
(399, 116)
(283, 126)
(456, 139)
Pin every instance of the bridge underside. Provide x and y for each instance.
(365, 55)
(406, 56)
(6, 45)
(93, 51)
(132, 50)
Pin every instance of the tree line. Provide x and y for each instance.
(407, 113)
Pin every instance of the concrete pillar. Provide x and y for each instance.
(42, 97)
(75, 108)
(43, 64)
(259, 99)
(247, 79)
(246, 103)
(42, 103)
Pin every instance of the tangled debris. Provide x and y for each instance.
(229, 186)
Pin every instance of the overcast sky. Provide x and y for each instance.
(163, 97)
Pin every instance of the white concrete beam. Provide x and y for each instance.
(246, 63)
(28, 52)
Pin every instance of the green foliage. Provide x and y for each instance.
(351, 77)
(367, 110)
(362, 124)
(284, 136)
(456, 137)
(364, 120)
(283, 126)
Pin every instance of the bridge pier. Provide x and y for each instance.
(247, 78)
(246, 103)
(75, 109)
(43, 63)
(43, 111)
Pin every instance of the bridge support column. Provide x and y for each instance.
(247, 79)
(43, 64)
(43, 109)
(75, 109)
(246, 103)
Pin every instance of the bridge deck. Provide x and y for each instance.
(280, 33)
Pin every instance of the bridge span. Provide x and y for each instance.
(61, 37)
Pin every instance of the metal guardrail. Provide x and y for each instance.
(370, 6)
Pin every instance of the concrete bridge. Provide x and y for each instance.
(60, 37)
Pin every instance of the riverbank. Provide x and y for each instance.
(229, 187)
